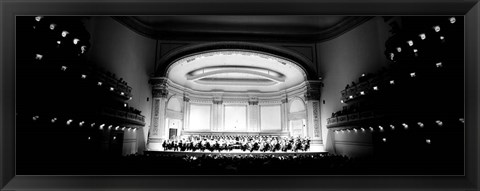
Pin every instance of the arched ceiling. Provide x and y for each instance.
(235, 71)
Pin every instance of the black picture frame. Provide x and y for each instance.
(9, 9)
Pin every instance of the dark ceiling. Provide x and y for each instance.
(263, 28)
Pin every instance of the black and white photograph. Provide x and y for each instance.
(240, 95)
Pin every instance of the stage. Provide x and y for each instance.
(234, 152)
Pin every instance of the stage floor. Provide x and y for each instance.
(231, 153)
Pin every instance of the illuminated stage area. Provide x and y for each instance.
(233, 92)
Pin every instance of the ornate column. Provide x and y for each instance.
(217, 124)
(253, 115)
(186, 112)
(312, 97)
(284, 111)
(157, 133)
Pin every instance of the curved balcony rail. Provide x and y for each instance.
(129, 117)
(366, 87)
(352, 118)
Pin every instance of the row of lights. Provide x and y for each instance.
(428, 141)
(391, 82)
(99, 83)
(381, 128)
(81, 123)
(63, 34)
(423, 36)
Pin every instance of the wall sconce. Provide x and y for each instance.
(422, 36)
(410, 43)
(65, 33)
(452, 20)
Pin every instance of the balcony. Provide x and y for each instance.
(125, 116)
(353, 118)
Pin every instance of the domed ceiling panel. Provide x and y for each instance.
(235, 71)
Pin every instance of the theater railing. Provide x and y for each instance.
(128, 117)
(366, 87)
(110, 81)
(352, 118)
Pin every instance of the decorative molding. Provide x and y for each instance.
(316, 118)
(186, 52)
(152, 31)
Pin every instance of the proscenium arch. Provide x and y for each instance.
(165, 62)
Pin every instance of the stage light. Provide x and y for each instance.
(69, 121)
(348, 130)
(83, 49)
(114, 138)
(371, 129)
(93, 124)
(35, 118)
(64, 68)
(422, 36)
(38, 56)
(375, 88)
(412, 74)
(439, 64)
(52, 26)
(84, 76)
(88, 138)
(392, 56)
(336, 132)
(462, 120)
(341, 101)
(124, 105)
(452, 20)
(405, 125)
(351, 97)
(81, 123)
(130, 98)
(393, 127)
(116, 128)
(38, 18)
(75, 40)
(420, 124)
(363, 75)
(436, 28)
(415, 50)
(65, 33)
(355, 130)
(101, 126)
(442, 37)
(439, 123)
(380, 127)
(59, 42)
(111, 89)
(123, 128)
(392, 82)
(410, 43)
(134, 129)
(428, 141)
(99, 83)
(362, 93)
(384, 139)
(363, 130)
(54, 119)
(121, 93)
(399, 49)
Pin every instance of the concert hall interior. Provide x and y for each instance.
(273, 95)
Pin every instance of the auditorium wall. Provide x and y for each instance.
(342, 60)
(129, 56)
